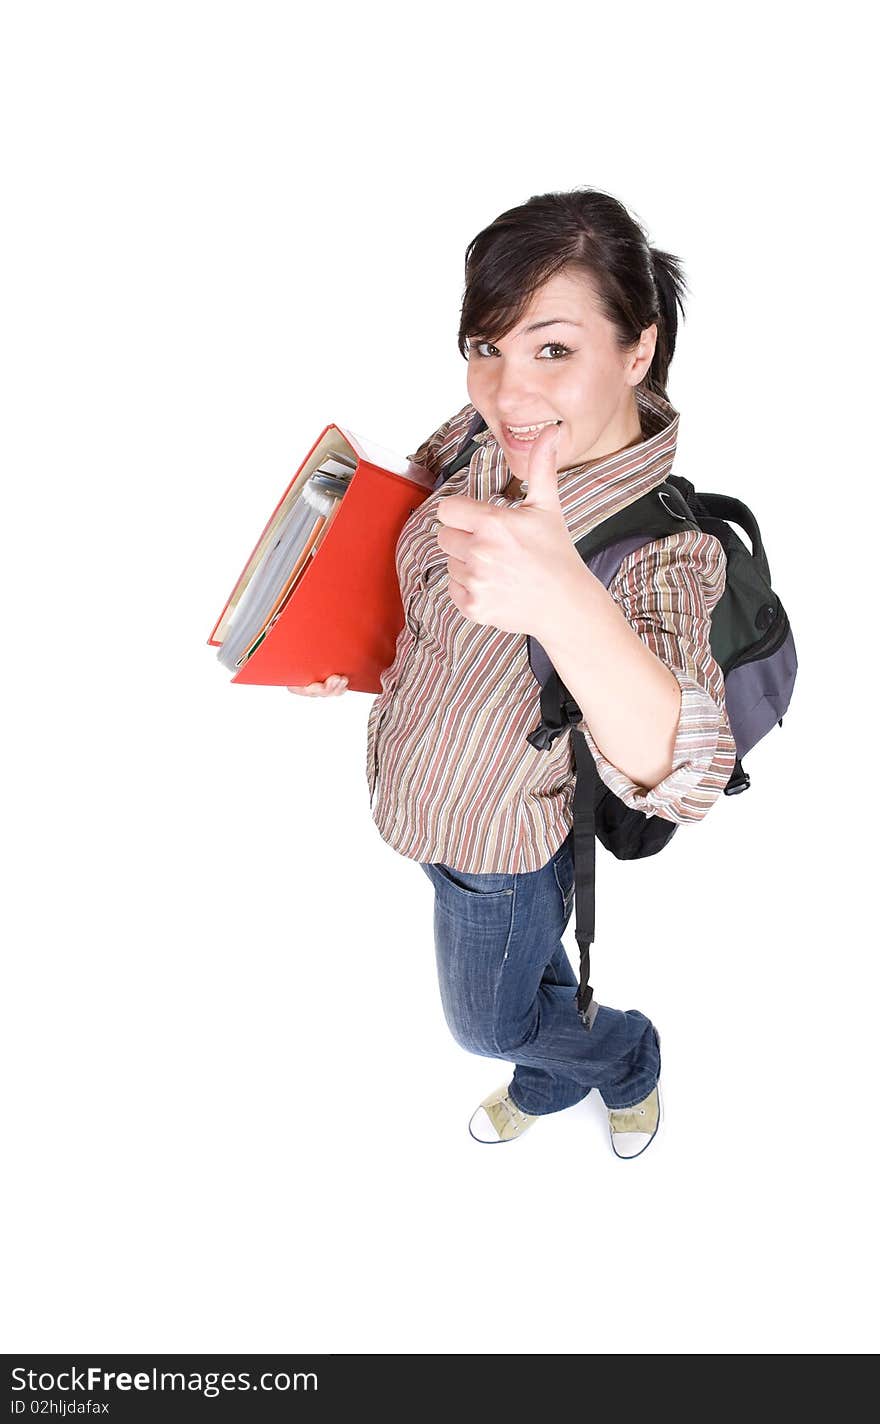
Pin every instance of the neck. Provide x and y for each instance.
(626, 431)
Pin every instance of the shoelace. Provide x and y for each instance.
(626, 1119)
(515, 1116)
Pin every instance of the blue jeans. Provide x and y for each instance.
(508, 989)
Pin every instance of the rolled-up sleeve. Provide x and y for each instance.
(667, 591)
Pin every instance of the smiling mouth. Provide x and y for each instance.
(526, 434)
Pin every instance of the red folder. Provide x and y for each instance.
(345, 610)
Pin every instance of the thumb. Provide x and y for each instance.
(542, 478)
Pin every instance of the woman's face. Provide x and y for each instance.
(570, 370)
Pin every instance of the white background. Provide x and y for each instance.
(235, 1114)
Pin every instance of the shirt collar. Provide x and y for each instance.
(589, 493)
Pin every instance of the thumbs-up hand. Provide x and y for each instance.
(506, 566)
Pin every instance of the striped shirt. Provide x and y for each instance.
(450, 773)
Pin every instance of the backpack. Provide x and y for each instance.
(750, 638)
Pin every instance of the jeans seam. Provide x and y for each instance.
(498, 976)
(563, 892)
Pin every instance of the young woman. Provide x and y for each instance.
(568, 326)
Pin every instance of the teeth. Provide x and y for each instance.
(524, 429)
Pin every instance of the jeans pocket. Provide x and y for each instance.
(479, 886)
(563, 870)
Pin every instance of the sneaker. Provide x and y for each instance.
(633, 1129)
(498, 1119)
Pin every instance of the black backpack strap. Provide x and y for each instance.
(465, 452)
(553, 715)
(662, 511)
(724, 506)
(585, 871)
(558, 711)
(709, 508)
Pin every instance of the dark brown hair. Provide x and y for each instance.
(588, 231)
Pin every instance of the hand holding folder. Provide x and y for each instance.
(331, 687)
(319, 593)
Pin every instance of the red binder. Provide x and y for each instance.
(345, 610)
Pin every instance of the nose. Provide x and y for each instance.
(515, 393)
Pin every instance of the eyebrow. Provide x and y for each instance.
(536, 326)
(551, 321)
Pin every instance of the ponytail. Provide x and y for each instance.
(670, 287)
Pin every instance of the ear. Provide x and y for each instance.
(640, 361)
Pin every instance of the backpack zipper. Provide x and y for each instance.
(770, 643)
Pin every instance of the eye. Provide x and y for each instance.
(554, 345)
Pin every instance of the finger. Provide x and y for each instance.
(542, 476)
